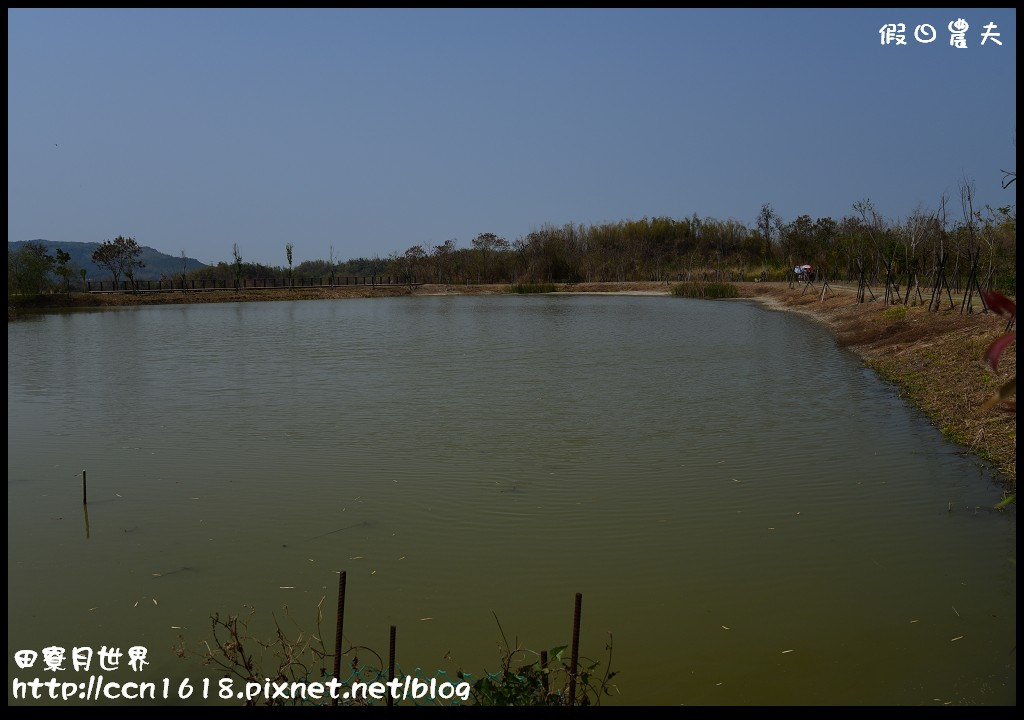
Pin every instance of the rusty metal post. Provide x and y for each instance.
(338, 631)
(391, 666)
(575, 648)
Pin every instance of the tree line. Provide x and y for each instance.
(910, 252)
(955, 243)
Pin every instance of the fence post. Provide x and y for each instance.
(338, 632)
(575, 648)
(391, 665)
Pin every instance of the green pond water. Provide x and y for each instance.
(754, 516)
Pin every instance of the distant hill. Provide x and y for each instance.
(157, 263)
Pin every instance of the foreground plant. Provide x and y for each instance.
(545, 681)
(1006, 394)
(282, 659)
(1004, 306)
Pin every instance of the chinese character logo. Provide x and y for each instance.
(925, 33)
(893, 32)
(990, 35)
(958, 33)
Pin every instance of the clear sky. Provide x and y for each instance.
(376, 130)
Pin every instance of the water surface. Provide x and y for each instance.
(756, 517)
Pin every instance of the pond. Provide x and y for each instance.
(754, 516)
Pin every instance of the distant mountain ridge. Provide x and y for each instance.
(158, 264)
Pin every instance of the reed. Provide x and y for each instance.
(707, 291)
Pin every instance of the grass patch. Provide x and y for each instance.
(897, 312)
(707, 291)
(527, 288)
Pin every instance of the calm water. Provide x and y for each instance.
(688, 466)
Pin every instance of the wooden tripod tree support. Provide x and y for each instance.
(972, 285)
(913, 283)
(891, 288)
(862, 284)
(940, 283)
(826, 288)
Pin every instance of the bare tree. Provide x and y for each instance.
(236, 265)
(765, 220)
(967, 193)
(184, 272)
(917, 227)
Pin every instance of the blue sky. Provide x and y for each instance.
(376, 130)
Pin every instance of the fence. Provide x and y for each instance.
(205, 284)
(529, 684)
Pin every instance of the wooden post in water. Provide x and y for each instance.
(85, 494)
(391, 665)
(338, 631)
(575, 648)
